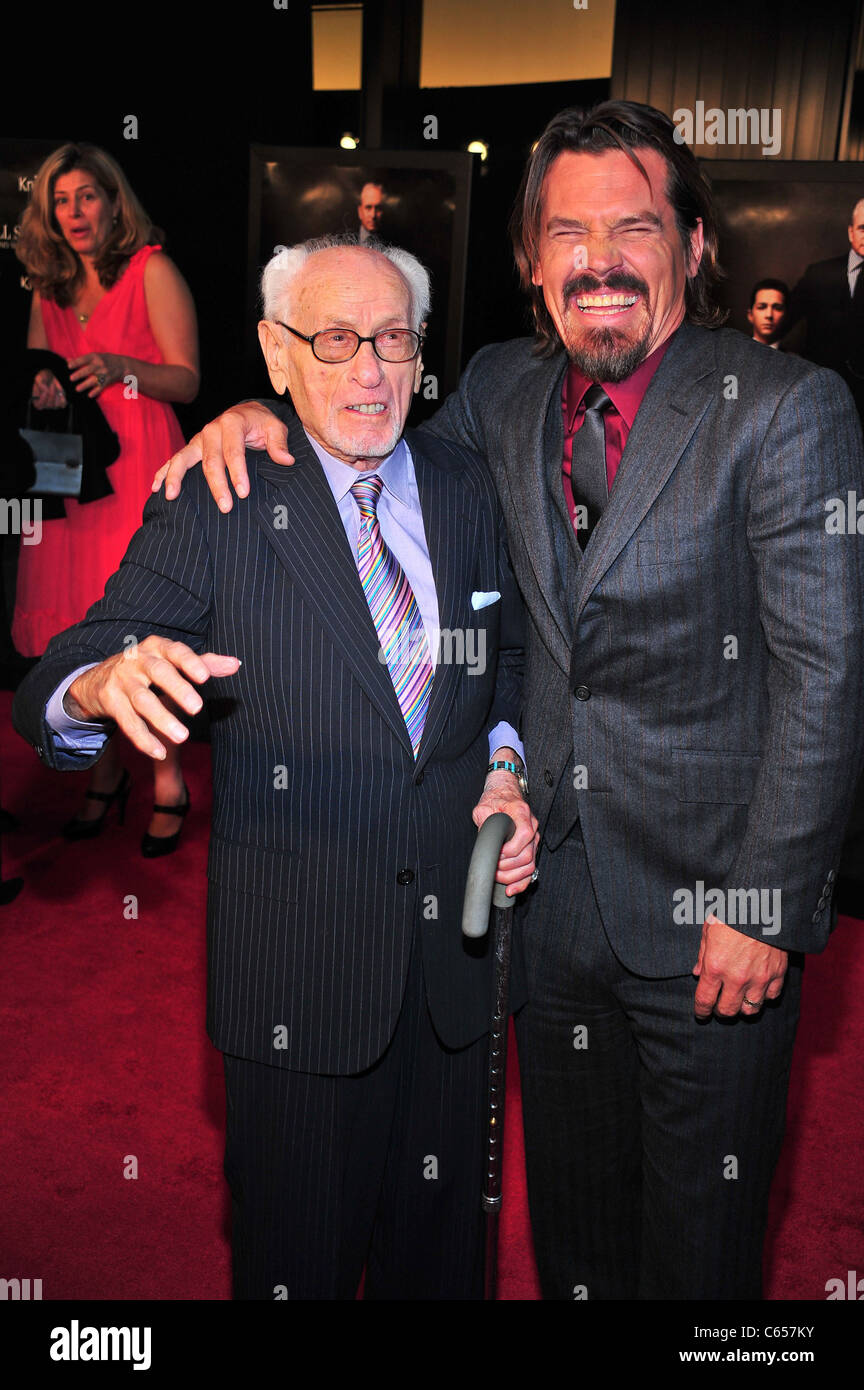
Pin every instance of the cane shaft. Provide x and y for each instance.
(498, 1063)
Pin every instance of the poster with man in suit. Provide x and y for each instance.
(829, 297)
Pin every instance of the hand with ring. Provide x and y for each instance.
(731, 967)
(47, 393)
(96, 370)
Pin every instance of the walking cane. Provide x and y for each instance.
(479, 890)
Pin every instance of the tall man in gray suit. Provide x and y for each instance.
(692, 707)
(364, 627)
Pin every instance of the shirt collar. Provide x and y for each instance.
(626, 395)
(394, 471)
(853, 261)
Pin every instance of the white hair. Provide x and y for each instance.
(281, 271)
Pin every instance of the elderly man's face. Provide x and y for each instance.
(856, 229)
(611, 262)
(355, 409)
(371, 206)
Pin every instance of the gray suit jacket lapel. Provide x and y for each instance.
(533, 478)
(677, 398)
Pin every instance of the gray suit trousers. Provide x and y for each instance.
(651, 1136)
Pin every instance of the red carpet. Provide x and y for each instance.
(106, 1066)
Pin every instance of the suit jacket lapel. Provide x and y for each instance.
(533, 478)
(314, 550)
(450, 541)
(676, 400)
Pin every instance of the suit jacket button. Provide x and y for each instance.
(405, 876)
(582, 692)
(418, 779)
(831, 876)
(548, 778)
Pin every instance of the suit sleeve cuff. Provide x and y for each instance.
(74, 735)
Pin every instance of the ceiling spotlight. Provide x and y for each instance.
(348, 141)
(479, 147)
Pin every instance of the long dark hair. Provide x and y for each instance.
(628, 126)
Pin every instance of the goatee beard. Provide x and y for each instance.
(605, 354)
(608, 355)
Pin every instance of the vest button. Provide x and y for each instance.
(548, 778)
(405, 876)
(582, 692)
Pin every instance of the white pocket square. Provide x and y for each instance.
(481, 600)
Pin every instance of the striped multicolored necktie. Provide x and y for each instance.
(394, 610)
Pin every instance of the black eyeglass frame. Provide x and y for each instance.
(337, 362)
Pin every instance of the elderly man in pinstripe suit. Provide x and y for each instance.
(692, 721)
(364, 629)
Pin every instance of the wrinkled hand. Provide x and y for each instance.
(222, 444)
(517, 861)
(96, 370)
(736, 972)
(47, 393)
(123, 688)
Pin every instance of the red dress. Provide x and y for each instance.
(60, 578)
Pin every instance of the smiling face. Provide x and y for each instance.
(611, 261)
(83, 210)
(355, 409)
(767, 315)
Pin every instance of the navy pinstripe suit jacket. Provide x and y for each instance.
(714, 629)
(330, 846)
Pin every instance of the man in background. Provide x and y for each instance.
(829, 297)
(767, 312)
(370, 211)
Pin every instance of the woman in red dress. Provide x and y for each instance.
(108, 300)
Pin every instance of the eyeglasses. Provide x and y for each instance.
(341, 344)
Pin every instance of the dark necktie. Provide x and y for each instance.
(588, 468)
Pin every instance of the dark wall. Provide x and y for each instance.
(789, 55)
(204, 82)
(198, 110)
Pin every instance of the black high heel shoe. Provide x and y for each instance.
(88, 829)
(154, 846)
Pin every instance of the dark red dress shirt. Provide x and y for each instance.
(626, 397)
